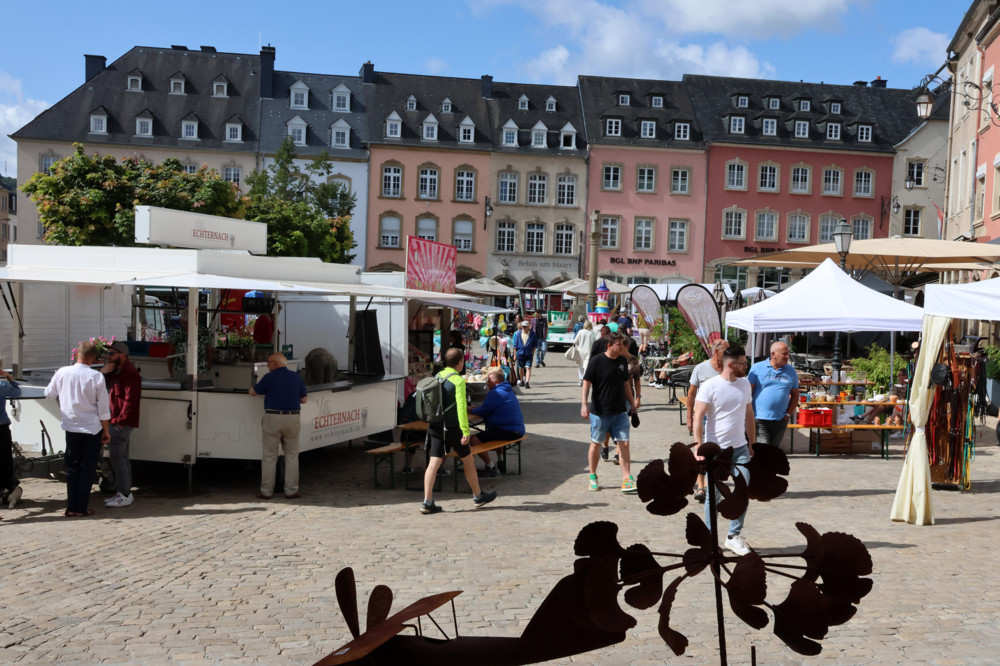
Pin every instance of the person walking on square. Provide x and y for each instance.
(702, 373)
(775, 394)
(86, 418)
(284, 394)
(724, 415)
(124, 391)
(608, 374)
(525, 342)
(542, 333)
(9, 388)
(452, 434)
(584, 342)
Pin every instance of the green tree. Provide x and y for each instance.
(90, 199)
(305, 215)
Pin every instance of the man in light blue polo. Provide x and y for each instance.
(775, 394)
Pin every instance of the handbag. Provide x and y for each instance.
(573, 354)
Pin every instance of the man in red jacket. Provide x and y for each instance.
(125, 390)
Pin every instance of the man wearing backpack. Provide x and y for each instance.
(451, 433)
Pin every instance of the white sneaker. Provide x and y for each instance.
(119, 500)
(737, 544)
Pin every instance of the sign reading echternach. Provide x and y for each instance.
(430, 265)
(176, 228)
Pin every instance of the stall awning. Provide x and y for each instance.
(463, 305)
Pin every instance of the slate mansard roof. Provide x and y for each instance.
(69, 119)
(504, 107)
(600, 95)
(891, 112)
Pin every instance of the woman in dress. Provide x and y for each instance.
(583, 341)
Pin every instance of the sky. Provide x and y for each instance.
(530, 41)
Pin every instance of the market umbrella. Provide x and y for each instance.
(566, 285)
(485, 287)
(584, 288)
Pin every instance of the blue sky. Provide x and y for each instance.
(535, 41)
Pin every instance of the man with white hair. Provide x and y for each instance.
(775, 394)
(501, 413)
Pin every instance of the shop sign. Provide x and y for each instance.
(643, 261)
(176, 228)
(753, 249)
(531, 263)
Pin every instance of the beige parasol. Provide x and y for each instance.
(485, 287)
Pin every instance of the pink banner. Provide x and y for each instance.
(648, 308)
(430, 266)
(701, 313)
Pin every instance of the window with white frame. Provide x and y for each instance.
(682, 131)
(538, 138)
(865, 133)
(446, 105)
(680, 181)
(393, 128)
(643, 239)
(624, 99)
(834, 107)
(466, 133)
(734, 223)
(465, 185)
(827, 223)
(769, 127)
(190, 168)
(506, 236)
(550, 105)
(862, 227)
(510, 136)
(915, 172)
(736, 176)
(98, 123)
(428, 183)
(911, 222)
(567, 137)
(609, 233)
(677, 236)
(805, 105)
(657, 102)
(864, 183)
(766, 226)
(144, 127)
(462, 235)
(645, 179)
(613, 127)
(177, 86)
(742, 101)
(537, 188)
(736, 124)
(833, 181)
(389, 231)
(798, 227)
(189, 129)
(612, 177)
(46, 162)
(800, 180)
(801, 129)
(768, 178)
(430, 129)
(647, 129)
(427, 228)
(774, 103)
(297, 130)
(566, 190)
(220, 89)
(507, 188)
(392, 181)
(232, 174)
(234, 131)
(411, 103)
(299, 96)
(564, 239)
(341, 100)
(534, 238)
(833, 131)
(522, 103)
(341, 135)
(134, 83)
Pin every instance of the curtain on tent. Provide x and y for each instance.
(912, 503)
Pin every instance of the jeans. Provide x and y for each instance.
(118, 454)
(82, 452)
(771, 432)
(543, 346)
(741, 456)
(283, 430)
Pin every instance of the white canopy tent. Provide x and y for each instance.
(970, 300)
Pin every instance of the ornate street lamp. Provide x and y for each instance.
(842, 237)
(595, 238)
(487, 211)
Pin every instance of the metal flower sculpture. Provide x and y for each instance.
(823, 594)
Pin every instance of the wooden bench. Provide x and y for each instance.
(682, 406)
(883, 432)
(501, 444)
(384, 455)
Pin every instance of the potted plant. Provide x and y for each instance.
(992, 373)
(876, 364)
(241, 342)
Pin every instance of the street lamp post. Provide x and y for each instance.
(487, 211)
(595, 238)
(842, 237)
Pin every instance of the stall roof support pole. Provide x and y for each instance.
(351, 324)
(191, 371)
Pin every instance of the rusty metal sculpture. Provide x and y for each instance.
(582, 612)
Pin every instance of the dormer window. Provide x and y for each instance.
(177, 84)
(805, 105)
(340, 134)
(341, 99)
(430, 129)
(411, 103)
(299, 96)
(736, 124)
(833, 131)
(774, 103)
(234, 130)
(134, 83)
(99, 121)
(647, 129)
(467, 131)
(624, 99)
(522, 103)
(538, 133)
(682, 131)
(393, 126)
(446, 105)
(567, 137)
(612, 127)
(834, 107)
(769, 127)
(550, 105)
(297, 130)
(865, 133)
(189, 129)
(801, 129)
(657, 102)
(742, 101)
(509, 134)
(220, 87)
(144, 124)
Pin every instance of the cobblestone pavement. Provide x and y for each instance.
(217, 576)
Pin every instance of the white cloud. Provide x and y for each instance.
(16, 111)
(435, 66)
(920, 46)
(761, 19)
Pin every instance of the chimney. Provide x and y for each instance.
(266, 71)
(879, 82)
(368, 72)
(861, 84)
(93, 65)
(487, 86)
(208, 49)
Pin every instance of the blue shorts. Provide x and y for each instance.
(523, 361)
(615, 424)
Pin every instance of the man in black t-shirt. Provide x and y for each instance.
(608, 374)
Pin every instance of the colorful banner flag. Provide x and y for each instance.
(649, 310)
(430, 265)
(701, 312)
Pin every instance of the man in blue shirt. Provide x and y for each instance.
(775, 394)
(502, 413)
(284, 393)
(525, 342)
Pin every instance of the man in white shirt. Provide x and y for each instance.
(724, 415)
(86, 418)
